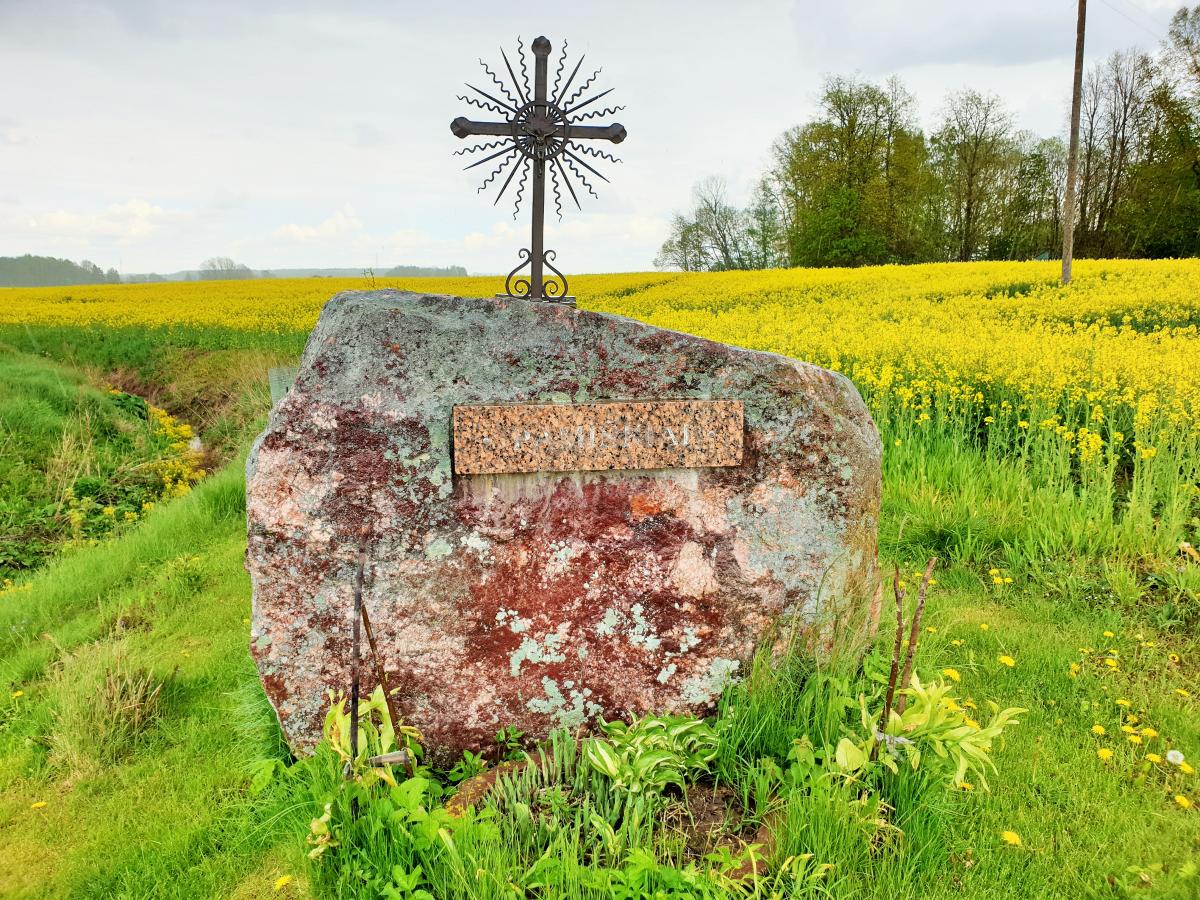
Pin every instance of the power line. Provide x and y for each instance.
(1129, 18)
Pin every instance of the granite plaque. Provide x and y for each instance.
(576, 437)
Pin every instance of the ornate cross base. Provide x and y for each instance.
(535, 285)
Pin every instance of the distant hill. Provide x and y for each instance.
(45, 271)
(396, 272)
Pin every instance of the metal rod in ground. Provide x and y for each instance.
(355, 653)
(382, 675)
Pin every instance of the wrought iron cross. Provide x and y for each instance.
(539, 128)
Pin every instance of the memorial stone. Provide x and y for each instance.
(566, 514)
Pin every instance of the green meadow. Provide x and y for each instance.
(140, 758)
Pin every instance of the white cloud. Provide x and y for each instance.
(11, 132)
(126, 221)
(341, 222)
(217, 111)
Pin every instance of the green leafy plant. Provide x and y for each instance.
(934, 722)
(649, 753)
(508, 742)
(469, 765)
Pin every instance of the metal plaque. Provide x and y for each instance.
(576, 437)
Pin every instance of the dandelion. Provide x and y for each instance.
(970, 704)
(1109, 634)
(1149, 732)
(1182, 693)
(1186, 768)
(282, 881)
(16, 694)
(898, 442)
(1174, 757)
(41, 804)
(966, 786)
(1154, 758)
(1123, 702)
(957, 642)
(1105, 754)
(931, 630)
(983, 626)
(1134, 739)
(1183, 802)
(1098, 729)
(993, 572)
(1174, 657)
(1129, 729)
(1074, 670)
(952, 674)
(1006, 660)
(1013, 839)
(1110, 662)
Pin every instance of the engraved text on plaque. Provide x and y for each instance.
(573, 437)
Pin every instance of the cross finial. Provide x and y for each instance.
(541, 125)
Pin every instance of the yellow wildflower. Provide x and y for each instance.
(983, 626)
(1098, 729)
(1149, 732)
(1006, 660)
(1134, 739)
(282, 881)
(1182, 693)
(1105, 754)
(952, 674)
(966, 786)
(16, 694)
(1123, 702)
(1109, 634)
(957, 642)
(1014, 840)
(1153, 758)
(38, 805)
(1183, 802)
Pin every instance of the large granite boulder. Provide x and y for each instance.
(545, 598)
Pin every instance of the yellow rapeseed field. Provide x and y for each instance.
(1124, 338)
(1090, 389)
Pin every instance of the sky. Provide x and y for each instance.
(150, 135)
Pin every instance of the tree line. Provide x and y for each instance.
(862, 184)
(40, 271)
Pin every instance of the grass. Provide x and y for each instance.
(74, 459)
(130, 708)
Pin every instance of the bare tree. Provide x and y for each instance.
(222, 268)
(971, 147)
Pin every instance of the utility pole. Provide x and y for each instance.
(1073, 152)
